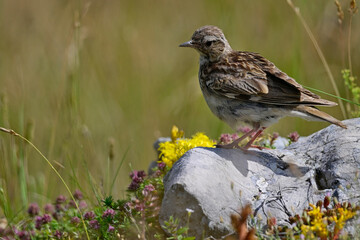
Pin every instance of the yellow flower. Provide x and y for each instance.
(306, 231)
(170, 152)
(315, 212)
(318, 221)
(318, 226)
(175, 133)
(341, 216)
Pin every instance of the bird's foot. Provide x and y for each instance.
(259, 147)
(227, 146)
(245, 149)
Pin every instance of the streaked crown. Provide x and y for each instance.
(210, 41)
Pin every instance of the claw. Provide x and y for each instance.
(235, 144)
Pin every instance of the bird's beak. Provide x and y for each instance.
(187, 44)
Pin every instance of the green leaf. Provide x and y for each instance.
(108, 201)
(182, 230)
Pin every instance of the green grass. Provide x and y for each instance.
(79, 79)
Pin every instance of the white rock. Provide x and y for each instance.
(215, 183)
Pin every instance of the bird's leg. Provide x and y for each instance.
(258, 147)
(249, 144)
(236, 142)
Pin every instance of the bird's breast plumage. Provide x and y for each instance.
(232, 108)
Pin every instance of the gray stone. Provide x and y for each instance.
(215, 183)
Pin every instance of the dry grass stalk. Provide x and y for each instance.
(240, 225)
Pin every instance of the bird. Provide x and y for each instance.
(244, 87)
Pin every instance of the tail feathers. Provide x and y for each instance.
(316, 113)
(319, 102)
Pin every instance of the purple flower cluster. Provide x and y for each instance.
(71, 204)
(33, 209)
(274, 136)
(244, 129)
(89, 215)
(111, 228)
(78, 194)
(75, 220)
(60, 199)
(82, 204)
(61, 205)
(41, 220)
(94, 224)
(294, 136)
(109, 213)
(107, 217)
(148, 189)
(49, 208)
(139, 205)
(148, 200)
(23, 235)
(137, 177)
(58, 234)
(228, 138)
(161, 166)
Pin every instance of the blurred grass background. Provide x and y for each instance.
(88, 81)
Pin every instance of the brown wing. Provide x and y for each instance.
(247, 73)
(234, 76)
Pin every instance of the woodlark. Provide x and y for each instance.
(241, 86)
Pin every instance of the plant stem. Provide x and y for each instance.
(332, 95)
(349, 45)
(12, 132)
(320, 53)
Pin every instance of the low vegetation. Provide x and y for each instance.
(136, 216)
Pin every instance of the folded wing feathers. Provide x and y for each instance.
(256, 76)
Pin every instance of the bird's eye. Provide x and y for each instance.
(208, 43)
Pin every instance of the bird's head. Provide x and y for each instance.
(209, 41)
